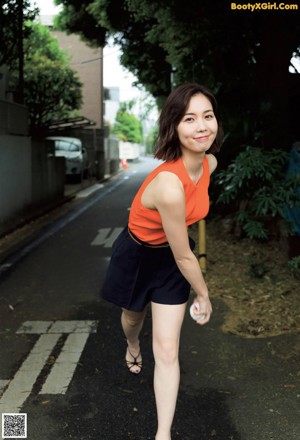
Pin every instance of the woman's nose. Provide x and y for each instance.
(201, 126)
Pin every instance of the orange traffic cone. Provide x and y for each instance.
(124, 163)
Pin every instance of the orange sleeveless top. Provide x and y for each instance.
(146, 223)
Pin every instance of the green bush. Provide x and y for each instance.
(127, 127)
(256, 184)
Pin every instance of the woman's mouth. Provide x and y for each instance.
(201, 138)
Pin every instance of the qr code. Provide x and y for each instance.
(14, 425)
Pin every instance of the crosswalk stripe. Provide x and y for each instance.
(3, 384)
(57, 382)
(21, 385)
(62, 371)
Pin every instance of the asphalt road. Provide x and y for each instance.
(62, 348)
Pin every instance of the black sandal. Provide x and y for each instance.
(134, 363)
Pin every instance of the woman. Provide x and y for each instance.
(152, 259)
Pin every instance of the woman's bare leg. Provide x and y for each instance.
(167, 322)
(132, 323)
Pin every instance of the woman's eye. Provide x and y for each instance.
(210, 116)
(189, 120)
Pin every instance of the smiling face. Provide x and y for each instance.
(198, 127)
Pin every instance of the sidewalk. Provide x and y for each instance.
(71, 189)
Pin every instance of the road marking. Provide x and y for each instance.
(106, 237)
(40, 327)
(34, 327)
(90, 190)
(3, 384)
(60, 376)
(20, 387)
(62, 371)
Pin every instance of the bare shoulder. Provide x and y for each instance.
(167, 188)
(164, 189)
(212, 161)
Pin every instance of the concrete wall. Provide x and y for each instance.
(29, 178)
(15, 175)
(111, 156)
(13, 118)
(48, 175)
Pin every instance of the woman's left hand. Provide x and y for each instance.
(202, 309)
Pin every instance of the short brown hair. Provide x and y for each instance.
(168, 145)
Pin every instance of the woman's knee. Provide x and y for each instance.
(133, 319)
(165, 351)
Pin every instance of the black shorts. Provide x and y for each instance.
(139, 273)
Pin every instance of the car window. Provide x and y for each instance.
(63, 145)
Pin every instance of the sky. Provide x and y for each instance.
(114, 75)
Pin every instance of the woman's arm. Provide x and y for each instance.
(169, 200)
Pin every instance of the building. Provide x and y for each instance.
(88, 63)
(112, 104)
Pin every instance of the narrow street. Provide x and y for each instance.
(62, 348)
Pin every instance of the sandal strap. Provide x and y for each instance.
(135, 362)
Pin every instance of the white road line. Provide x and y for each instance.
(35, 327)
(63, 370)
(73, 327)
(90, 190)
(106, 237)
(58, 380)
(3, 384)
(21, 385)
(40, 327)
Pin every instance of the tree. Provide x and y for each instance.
(127, 127)
(96, 20)
(242, 56)
(11, 30)
(52, 89)
(13, 15)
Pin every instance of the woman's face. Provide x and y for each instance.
(198, 128)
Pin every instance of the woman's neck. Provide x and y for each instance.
(193, 165)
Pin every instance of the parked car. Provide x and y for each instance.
(74, 153)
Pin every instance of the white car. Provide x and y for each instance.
(74, 153)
